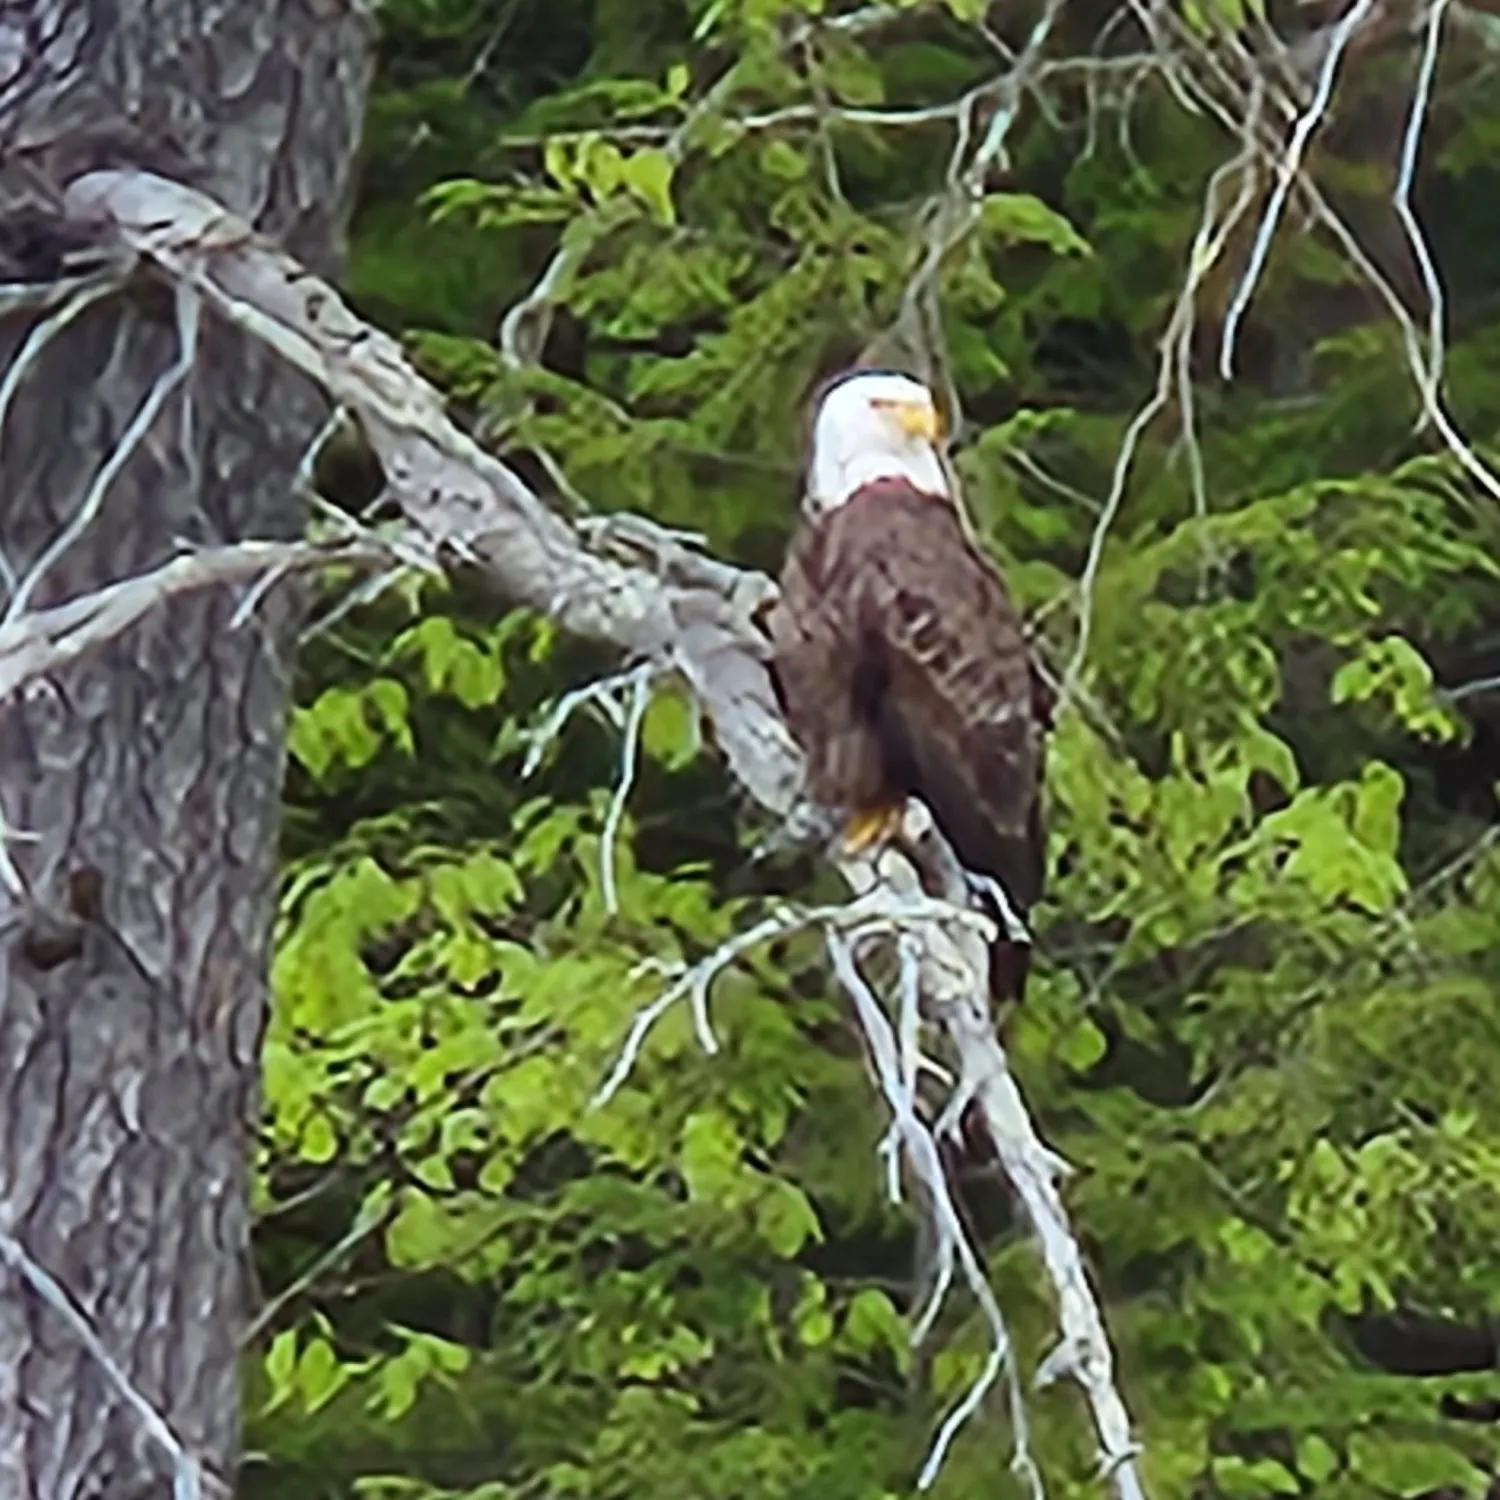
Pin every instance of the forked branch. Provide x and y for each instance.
(687, 614)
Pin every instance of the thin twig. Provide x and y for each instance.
(1172, 372)
(363, 1227)
(635, 684)
(123, 451)
(630, 743)
(1411, 142)
(81, 296)
(1288, 170)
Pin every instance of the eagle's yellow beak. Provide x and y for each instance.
(918, 419)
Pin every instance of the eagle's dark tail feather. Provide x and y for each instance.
(1010, 963)
(1010, 953)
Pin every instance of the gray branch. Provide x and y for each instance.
(37, 642)
(676, 609)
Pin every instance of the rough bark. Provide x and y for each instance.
(141, 782)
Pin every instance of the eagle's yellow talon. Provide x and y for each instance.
(867, 830)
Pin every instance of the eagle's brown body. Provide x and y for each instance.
(904, 670)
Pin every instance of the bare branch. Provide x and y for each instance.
(696, 621)
(10, 874)
(953, 1243)
(525, 326)
(953, 962)
(78, 299)
(635, 684)
(640, 696)
(1287, 170)
(120, 455)
(365, 1224)
(954, 212)
(40, 641)
(872, 913)
(1173, 372)
(1410, 147)
(1323, 213)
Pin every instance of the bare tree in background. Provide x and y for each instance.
(139, 784)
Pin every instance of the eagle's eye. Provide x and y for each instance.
(917, 419)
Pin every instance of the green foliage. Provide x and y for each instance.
(1259, 1018)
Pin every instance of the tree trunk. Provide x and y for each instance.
(140, 785)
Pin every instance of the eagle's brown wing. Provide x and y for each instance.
(960, 705)
(819, 675)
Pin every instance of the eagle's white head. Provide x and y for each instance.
(873, 424)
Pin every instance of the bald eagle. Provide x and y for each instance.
(900, 663)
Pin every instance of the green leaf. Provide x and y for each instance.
(711, 1158)
(1245, 1244)
(1082, 1047)
(474, 678)
(308, 744)
(785, 1218)
(712, 14)
(281, 1368)
(490, 884)
(419, 1234)
(527, 1097)
(1020, 216)
(435, 1172)
(851, 75)
(1377, 807)
(811, 1317)
(384, 1092)
(1393, 1466)
(320, 1141)
(395, 1388)
(447, 1356)
(669, 729)
(647, 174)
(1316, 1458)
(375, 1206)
(873, 1322)
(600, 166)
(496, 1173)
(1263, 751)
(1392, 668)
(955, 1370)
(320, 1376)
(782, 161)
(1263, 1476)
(390, 705)
(558, 157)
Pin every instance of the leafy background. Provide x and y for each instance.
(1262, 1023)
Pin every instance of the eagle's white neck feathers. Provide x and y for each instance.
(863, 433)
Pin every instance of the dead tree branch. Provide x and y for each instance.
(678, 612)
(35, 642)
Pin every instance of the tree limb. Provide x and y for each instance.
(35, 642)
(685, 614)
